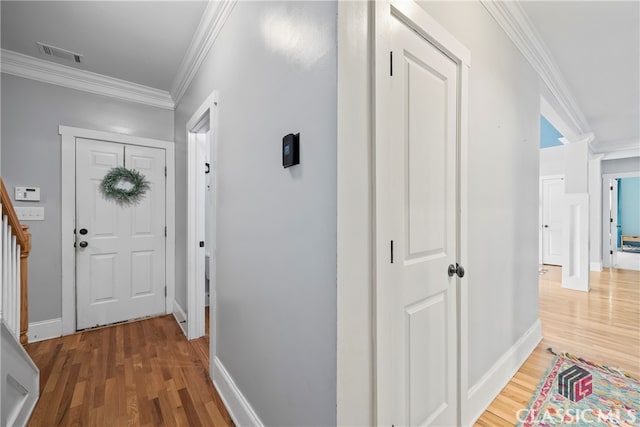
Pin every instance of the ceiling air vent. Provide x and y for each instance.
(57, 52)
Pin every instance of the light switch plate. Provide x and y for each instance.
(30, 213)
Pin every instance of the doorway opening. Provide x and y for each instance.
(621, 221)
(201, 132)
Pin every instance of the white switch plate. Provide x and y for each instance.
(30, 213)
(29, 194)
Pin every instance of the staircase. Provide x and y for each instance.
(19, 376)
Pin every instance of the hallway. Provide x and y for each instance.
(602, 326)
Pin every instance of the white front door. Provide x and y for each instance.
(422, 223)
(120, 251)
(552, 213)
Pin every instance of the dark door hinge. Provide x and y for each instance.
(610, 252)
(165, 291)
(392, 252)
(165, 171)
(165, 231)
(391, 63)
(610, 219)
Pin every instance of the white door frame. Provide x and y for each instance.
(541, 213)
(68, 211)
(196, 291)
(416, 18)
(607, 259)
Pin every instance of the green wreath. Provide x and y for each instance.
(125, 186)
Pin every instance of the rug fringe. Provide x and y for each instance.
(609, 369)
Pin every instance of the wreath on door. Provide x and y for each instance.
(125, 186)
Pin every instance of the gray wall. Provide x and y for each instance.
(504, 117)
(276, 228)
(31, 114)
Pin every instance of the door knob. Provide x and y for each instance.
(546, 226)
(456, 269)
(83, 231)
(83, 244)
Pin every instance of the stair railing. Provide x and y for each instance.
(15, 245)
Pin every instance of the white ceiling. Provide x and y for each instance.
(139, 41)
(596, 46)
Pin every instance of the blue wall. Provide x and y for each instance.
(629, 206)
(548, 134)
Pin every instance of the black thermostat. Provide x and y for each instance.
(291, 150)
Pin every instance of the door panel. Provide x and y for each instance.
(120, 272)
(552, 214)
(423, 163)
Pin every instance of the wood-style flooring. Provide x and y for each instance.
(602, 326)
(142, 373)
(146, 373)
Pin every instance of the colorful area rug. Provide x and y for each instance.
(575, 392)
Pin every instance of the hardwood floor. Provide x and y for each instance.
(142, 373)
(602, 326)
(146, 373)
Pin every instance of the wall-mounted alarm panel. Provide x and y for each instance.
(28, 194)
(291, 150)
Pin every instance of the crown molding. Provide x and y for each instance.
(617, 145)
(40, 70)
(514, 21)
(213, 19)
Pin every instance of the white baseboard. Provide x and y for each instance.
(180, 316)
(482, 393)
(596, 266)
(239, 409)
(47, 329)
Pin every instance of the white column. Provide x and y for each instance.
(576, 227)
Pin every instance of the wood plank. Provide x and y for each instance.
(602, 326)
(142, 373)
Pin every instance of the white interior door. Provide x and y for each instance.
(422, 156)
(120, 252)
(552, 214)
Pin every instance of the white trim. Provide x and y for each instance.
(213, 19)
(238, 406)
(619, 146)
(195, 291)
(514, 21)
(355, 188)
(19, 372)
(40, 70)
(575, 238)
(595, 266)
(180, 316)
(67, 200)
(622, 154)
(44, 330)
(606, 180)
(414, 16)
(550, 113)
(482, 393)
(463, 241)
